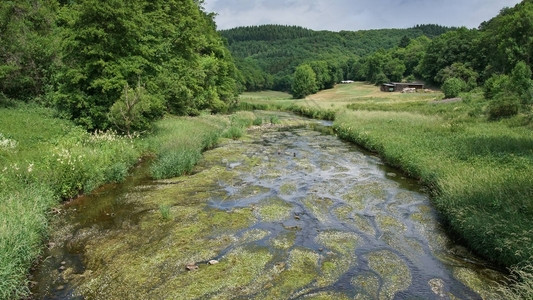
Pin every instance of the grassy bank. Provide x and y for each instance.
(45, 160)
(178, 142)
(479, 172)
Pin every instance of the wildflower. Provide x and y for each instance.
(30, 168)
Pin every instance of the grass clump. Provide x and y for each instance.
(521, 284)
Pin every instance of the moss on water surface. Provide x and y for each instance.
(274, 225)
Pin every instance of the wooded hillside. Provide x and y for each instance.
(267, 55)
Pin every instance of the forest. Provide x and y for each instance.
(268, 55)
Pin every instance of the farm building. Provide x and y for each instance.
(400, 86)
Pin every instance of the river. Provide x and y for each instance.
(283, 213)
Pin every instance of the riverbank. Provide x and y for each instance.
(478, 172)
(45, 160)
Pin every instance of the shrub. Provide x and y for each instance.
(452, 87)
(503, 106)
(497, 84)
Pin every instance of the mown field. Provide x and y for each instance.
(477, 171)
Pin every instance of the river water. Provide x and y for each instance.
(283, 213)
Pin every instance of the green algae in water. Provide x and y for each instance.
(319, 206)
(287, 188)
(326, 296)
(392, 270)
(367, 286)
(389, 224)
(274, 210)
(301, 271)
(284, 241)
(340, 255)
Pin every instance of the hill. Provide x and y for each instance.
(268, 54)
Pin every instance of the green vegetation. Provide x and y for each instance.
(61, 160)
(476, 170)
(115, 64)
(268, 55)
(452, 87)
(304, 82)
(43, 160)
(178, 143)
(274, 57)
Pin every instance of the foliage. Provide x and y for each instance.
(460, 71)
(171, 45)
(509, 93)
(304, 82)
(495, 85)
(506, 39)
(503, 106)
(453, 86)
(135, 110)
(277, 50)
(40, 167)
(522, 83)
(452, 47)
(27, 47)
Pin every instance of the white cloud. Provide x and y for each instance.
(355, 14)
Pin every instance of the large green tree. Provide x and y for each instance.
(172, 47)
(304, 82)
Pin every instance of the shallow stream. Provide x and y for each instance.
(284, 213)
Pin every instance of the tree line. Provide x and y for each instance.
(267, 55)
(114, 64)
(496, 57)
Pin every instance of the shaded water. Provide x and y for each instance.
(287, 213)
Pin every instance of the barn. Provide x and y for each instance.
(399, 86)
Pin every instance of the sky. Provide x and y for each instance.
(337, 15)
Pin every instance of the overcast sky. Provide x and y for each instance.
(336, 15)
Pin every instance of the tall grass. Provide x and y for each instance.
(302, 110)
(479, 173)
(43, 160)
(179, 141)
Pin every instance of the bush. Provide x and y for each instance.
(497, 84)
(452, 87)
(503, 107)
